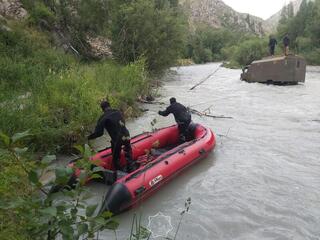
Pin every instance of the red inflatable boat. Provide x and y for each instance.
(159, 157)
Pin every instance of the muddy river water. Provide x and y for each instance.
(263, 179)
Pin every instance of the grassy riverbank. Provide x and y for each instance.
(54, 94)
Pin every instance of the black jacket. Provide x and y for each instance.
(180, 112)
(113, 122)
(272, 42)
(286, 41)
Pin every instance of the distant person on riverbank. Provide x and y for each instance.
(286, 43)
(112, 120)
(272, 45)
(181, 115)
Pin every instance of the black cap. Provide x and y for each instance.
(104, 104)
(173, 100)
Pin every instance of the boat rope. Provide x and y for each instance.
(205, 79)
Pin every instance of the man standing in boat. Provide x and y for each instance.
(112, 120)
(181, 115)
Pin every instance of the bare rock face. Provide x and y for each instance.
(12, 9)
(100, 47)
(272, 22)
(217, 14)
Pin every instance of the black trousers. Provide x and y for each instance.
(272, 50)
(183, 130)
(116, 146)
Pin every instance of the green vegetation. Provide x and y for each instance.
(74, 20)
(303, 30)
(159, 37)
(29, 209)
(54, 95)
(207, 44)
(153, 30)
(12, 177)
(35, 212)
(246, 51)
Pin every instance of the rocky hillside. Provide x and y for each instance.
(272, 22)
(12, 9)
(99, 47)
(217, 14)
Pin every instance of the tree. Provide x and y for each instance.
(303, 29)
(143, 28)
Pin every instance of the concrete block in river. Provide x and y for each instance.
(279, 70)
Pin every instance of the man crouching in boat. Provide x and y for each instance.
(112, 120)
(181, 115)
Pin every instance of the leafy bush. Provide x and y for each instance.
(304, 44)
(37, 212)
(40, 12)
(148, 29)
(208, 44)
(202, 55)
(313, 56)
(250, 50)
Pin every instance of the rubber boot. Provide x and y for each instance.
(115, 176)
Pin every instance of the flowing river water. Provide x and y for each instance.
(263, 179)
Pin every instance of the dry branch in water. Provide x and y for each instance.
(205, 114)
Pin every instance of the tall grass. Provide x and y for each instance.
(13, 185)
(55, 95)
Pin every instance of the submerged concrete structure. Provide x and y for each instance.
(277, 70)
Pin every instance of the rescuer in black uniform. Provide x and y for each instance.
(286, 43)
(181, 115)
(112, 120)
(272, 44)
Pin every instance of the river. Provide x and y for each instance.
(263, 179)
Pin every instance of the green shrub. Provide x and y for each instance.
(148, 29)
(208, 44)
(304, 44)
(202, 55)
(250, 50)
(228, 52)
(28, 208)
(313, 56)
(53, 94)
(40, 12)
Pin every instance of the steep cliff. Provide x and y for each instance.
(217, 14)
(272, 22)
(12, 9)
